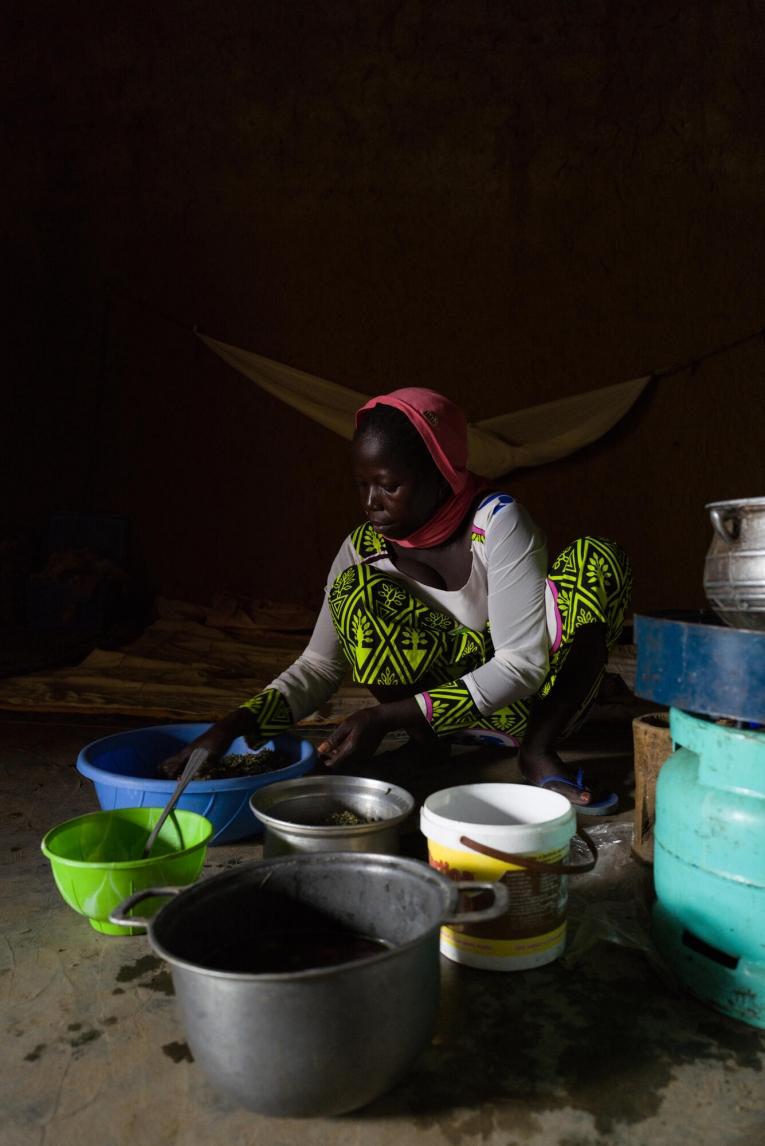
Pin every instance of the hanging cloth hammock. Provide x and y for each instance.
(498, 445)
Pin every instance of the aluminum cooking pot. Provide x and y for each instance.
(734, 567)
(325, 1039)
(293, 814)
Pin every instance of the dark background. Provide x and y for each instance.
(507, 201)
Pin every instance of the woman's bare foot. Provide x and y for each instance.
(536, 766)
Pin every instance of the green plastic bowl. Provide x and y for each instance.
(96, 859)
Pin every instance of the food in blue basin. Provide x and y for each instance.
(123, 768)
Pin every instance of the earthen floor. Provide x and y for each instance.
(599, 1047)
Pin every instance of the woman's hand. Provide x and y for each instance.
(215, 739)
(214, 743)
(361, 732)
(359, 735)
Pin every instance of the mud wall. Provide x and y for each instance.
(510, 202)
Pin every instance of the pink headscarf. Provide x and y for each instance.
(443, 428)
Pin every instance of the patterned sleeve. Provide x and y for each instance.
(516, 560)
(316, 674)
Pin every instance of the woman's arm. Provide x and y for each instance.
(308, 683)
(316, 674)
(516, 560)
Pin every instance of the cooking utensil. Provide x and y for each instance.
(96, 859)
(193, 764)
(313, 1042)
(123, 769)
(293, 812)
(734, 567)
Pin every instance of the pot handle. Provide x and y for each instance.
(725, 527)
(539, 865)
(498, 907)
(120, 913)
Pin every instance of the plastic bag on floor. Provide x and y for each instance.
(611, 904)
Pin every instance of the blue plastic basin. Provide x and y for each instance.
(123, 768)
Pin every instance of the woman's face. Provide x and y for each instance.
(396, 498)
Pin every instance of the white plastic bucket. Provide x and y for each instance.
(528, 822)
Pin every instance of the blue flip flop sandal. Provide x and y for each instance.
(595, 808)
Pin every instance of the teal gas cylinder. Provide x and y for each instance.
(709, 864)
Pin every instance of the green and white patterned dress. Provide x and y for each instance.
(474, 657)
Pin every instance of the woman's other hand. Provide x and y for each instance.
(360, 733)
(358, 736)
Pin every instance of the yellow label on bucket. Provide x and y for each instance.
(473, 865)
(501, 948)
(534, 928)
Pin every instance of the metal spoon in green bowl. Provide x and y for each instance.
(193, 764)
